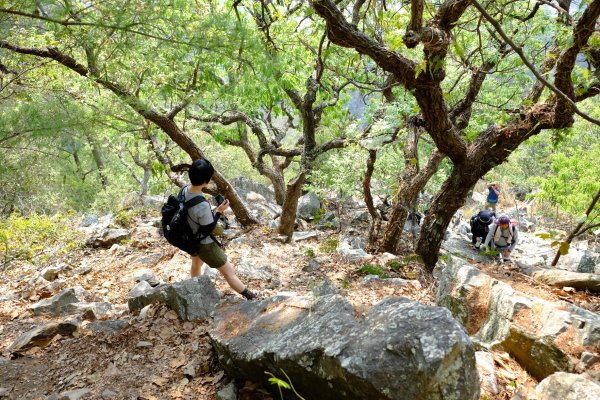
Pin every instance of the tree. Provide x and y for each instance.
(470, 159)
(103, 67)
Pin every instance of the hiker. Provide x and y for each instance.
(480, 223)
(503, 236)
(492, 197)
(201, 217)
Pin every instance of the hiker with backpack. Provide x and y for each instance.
(480, 223)
(503, 236)
(492, 197)
(189, 224)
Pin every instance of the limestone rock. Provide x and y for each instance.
(42, 335)
(577, 280)
(55, 305)
(308, 206)
(566, 386)
(191, 299)
(400, 349)
(530, 329)
(108, 237)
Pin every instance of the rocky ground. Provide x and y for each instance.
(155, 355)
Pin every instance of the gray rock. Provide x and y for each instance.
(75, 394)
(191, 299)
(399, 350)
(90, 311)
(360, 216)
(589, 263)
(55, 305)
(108, 394)
(50, 273)
(298, 236)
(325, 288)
(42, 335)
(308, 206)
(109, 237)
(150, 259)
(154, 202)
(228, 392)
(353, 255)
(313, 265)
(243, 186)
(487, 372)
(577, 280)
(145, 274)
(250, 270)
(566, 386)
(109, 326)
(529, 328)
(369, 279)
(140, 289)
(89, 220)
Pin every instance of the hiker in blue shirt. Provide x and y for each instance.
(492, 197)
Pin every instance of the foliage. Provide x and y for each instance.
(283, 384)
(310, 252)
(329, 244)
(371, 269)
(35, 237)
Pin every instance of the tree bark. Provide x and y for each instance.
(290, 205)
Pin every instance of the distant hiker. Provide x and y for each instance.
(480, 223)
(492, 197)
(503, 236)
(200, 217)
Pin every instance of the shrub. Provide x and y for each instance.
(370, 269)
(35, 237)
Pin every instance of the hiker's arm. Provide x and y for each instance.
(515, 240)
(208, 221)
(489, 236)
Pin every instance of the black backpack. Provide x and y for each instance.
(481, 221)
(175, 227)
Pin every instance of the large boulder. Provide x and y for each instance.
(107, 237)
(308, 206)
(564, 386)
(543, 336)
(191, 299)
(560, 278)
(58, 304)
(399, 350)
(243, 186)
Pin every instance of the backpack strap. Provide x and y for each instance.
(194, 201)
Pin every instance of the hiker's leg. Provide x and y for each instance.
(232, 280)
(196, 266)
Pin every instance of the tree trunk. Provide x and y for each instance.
(145, 180)
(449, 199)
(411, 184)
(99, 160)
(290, 205)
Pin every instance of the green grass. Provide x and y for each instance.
(370, 269)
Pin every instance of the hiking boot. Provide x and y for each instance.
(249, 294)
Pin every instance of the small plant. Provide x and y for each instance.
(370, 269)
(395, 265)
(318, 215)
(283, 384)
(329, 245)
(126, 218)
(310, 252)
(345, 284)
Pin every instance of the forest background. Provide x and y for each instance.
(361, 99)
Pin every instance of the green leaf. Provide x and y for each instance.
(543, 235)
(564, 248)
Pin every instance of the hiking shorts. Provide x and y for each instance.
(212, 255)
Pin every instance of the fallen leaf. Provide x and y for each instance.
(171, 315)
(179, 361)
(158, 380)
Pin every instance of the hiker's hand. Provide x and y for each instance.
(223, 206)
